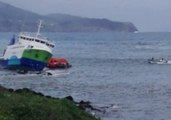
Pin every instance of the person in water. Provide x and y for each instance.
(161, 60)
(152, 58)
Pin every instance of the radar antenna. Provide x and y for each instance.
(39, 27)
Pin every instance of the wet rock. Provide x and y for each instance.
(10, 90)
(85, 105)
(22, 71)
(70, 98)
(49, 97)
(48, 73)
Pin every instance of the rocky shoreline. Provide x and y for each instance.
(25, 104)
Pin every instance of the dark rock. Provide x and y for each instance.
(38, 93)
(48, 73)
(18, 91)
(84, 105)
(22, 71)
(49, 97)
(69, 98)
(10, 90)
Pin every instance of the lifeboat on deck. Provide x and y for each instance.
(58, 63)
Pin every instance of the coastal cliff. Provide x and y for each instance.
(13, 19)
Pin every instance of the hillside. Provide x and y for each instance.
(14, 19)
(24, 104)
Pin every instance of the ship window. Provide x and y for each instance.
(37, 40)
(43, 42)
(47, 44)
(51, 45)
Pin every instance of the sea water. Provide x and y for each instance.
(110, 70)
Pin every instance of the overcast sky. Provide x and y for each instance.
(147, 15)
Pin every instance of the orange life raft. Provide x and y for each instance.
(58, 63)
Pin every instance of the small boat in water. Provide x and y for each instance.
(155, 61)
(28, 53)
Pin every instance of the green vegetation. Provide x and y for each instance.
(28, 105)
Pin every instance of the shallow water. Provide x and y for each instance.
(109, 69)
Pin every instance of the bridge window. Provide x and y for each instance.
(51, 45)
(37, 40)
(47, 44)
(43, 42)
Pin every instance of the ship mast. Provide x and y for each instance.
(39, 27)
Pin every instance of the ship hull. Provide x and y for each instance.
(31, 60)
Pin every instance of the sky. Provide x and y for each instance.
(146, 15)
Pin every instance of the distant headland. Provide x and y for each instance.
(13, 19)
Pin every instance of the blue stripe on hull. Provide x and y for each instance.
(25, 63)
(3, 63)
(32, 64)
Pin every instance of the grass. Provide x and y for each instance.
(28, 105)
